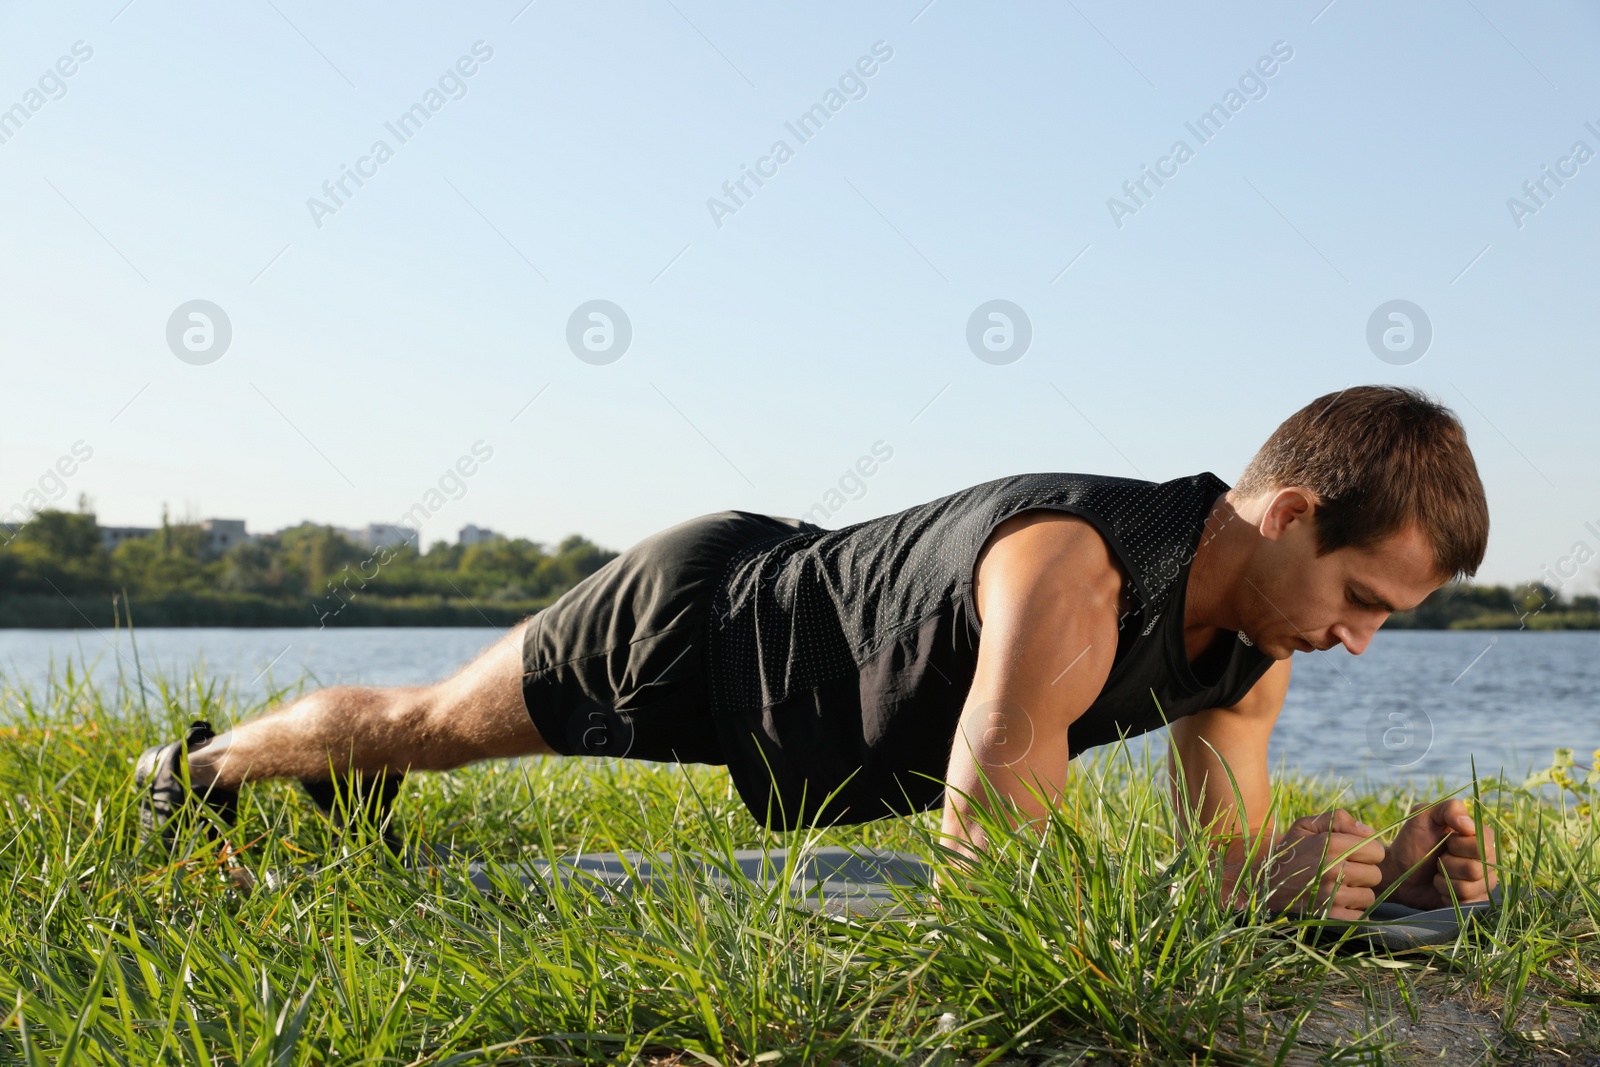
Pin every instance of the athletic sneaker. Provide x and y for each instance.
(159, 778)
(359, 796)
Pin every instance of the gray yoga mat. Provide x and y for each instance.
(842, 881)
(832, 880)
(1399, 928)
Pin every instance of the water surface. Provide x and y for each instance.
(1415, 704)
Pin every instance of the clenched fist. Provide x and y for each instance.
(1442, 844)
(1328, 859)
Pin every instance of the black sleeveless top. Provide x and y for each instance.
(840, 660)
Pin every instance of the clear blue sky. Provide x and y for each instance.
(822, 316)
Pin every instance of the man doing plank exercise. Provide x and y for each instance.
(988, 636)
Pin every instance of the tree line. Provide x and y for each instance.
(56, 571)
(1528, 606)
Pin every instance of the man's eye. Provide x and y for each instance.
(1362, 603)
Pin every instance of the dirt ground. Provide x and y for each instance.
(1453, 1026)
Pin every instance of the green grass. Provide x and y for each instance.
(1072, 946)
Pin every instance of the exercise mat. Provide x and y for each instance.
(1397, 927)
(832, 880)
(842, 881)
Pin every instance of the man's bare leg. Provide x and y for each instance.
(476, 714)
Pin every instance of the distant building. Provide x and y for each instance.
(477, 535)
(219, 535)
(112, 536)
(222, 534)
(216, 535)
(376, 535)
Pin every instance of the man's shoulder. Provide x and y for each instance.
(1126, 512)
(1048, 557)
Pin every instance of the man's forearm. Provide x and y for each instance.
(1238, 857)
(1217, 764)
(1218, 815)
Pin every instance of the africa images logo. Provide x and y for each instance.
(199, 332)
(1252, 85)
(451, 85)
(52, 85)
(599, 332)
(999, 332)
(1399, 332)
(852, 85)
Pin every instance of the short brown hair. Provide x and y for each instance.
(1378, 458)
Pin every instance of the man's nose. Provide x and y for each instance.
(1354, 639)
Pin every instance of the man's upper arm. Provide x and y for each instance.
(1047, 588)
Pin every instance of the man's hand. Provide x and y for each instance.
(1442, 844)
(1328, 859)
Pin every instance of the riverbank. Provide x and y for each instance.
(51, 612)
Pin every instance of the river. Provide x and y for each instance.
(1416, 704)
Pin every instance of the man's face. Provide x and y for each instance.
(1293, 600)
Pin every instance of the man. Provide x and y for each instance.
(962, 652)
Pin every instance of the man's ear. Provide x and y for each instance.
(1288, 505)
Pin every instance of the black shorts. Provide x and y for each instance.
(617, 666)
